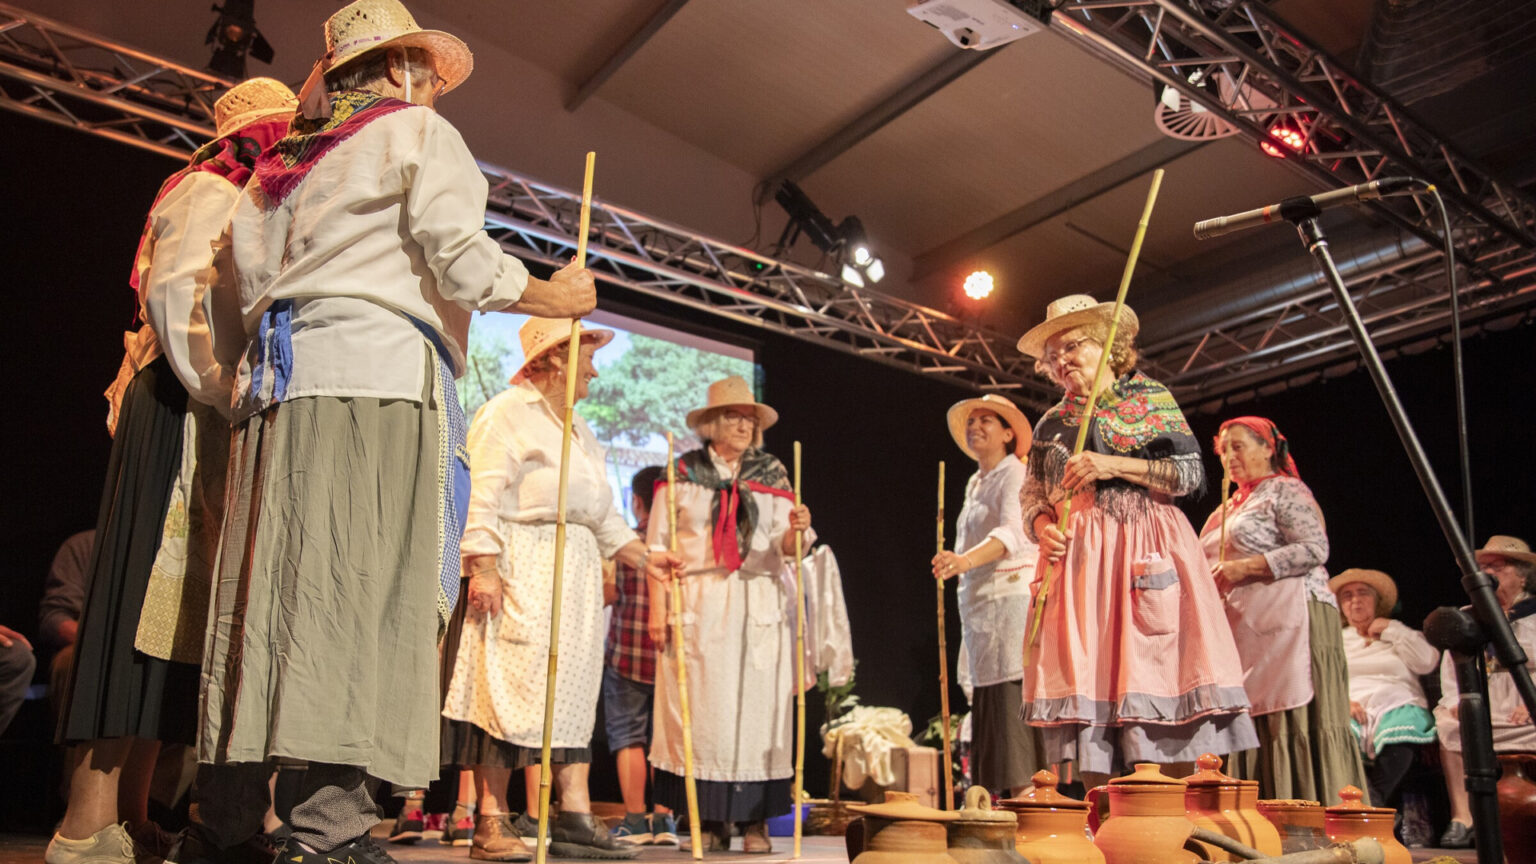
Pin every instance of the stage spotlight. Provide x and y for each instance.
(1284, 134)
(234, 35)
(978, 285)
(846, 239)
(876, 270)
(852, 275)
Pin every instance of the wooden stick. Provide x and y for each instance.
(690, 786)
(572, 358)
(1093, 398)
(949, 780)
(799, 666)
(1226, 490)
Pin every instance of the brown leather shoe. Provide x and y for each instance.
(716, 837)
(755, 840)
(497, 840)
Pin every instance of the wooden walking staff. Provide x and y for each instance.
(1093, 398)
(572, 357)
(689, 784)
(799, 666)
(949, 780)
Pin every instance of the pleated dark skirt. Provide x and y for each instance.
(724, 800)
(114, 689)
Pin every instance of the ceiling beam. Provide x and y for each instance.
(631, 46)
(1050, 205)
(900, 101)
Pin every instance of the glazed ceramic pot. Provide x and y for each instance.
(1227, 806)
(1351, 820)
(1299, 821)
(1146, 823)
(1052, 828)
(1517, 805)
(982, 835)
(902, 831)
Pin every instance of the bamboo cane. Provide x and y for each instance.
(1092, 402)
(949, 780)
(1226, 490)
(799, 666)
(572, 358)
(689, 784)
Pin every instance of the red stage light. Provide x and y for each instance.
(1285, 134)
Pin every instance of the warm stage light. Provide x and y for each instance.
(1284, 134)
(978, 285)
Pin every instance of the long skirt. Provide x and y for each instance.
(1135, 661)
(1309, 752)
(115, 689)
(324, 643)
(1005, 753)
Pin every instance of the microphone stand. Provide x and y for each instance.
(1491, 625)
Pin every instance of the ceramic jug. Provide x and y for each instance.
(1517, 805)
(1146, 823)
(1052, 828)
(902, 831)
(1218, 803)
(1300, 823)
(982, 835)
(1351, 819)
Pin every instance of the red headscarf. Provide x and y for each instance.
(1265, 430)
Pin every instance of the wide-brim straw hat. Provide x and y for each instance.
(1504, 546)
(1075, 310)
(368, 25)
(1004, 408)
(542, 335)
(250, 101)
(1381, 583)
(732, 392)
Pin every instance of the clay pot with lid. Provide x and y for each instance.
(1146, 823)
(1299, 821)
(1052, 828)
(982, 835)
(1227, 806)
(902, 831)
(1351, 819)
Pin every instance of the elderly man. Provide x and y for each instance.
(1512, 565)
(352, 264)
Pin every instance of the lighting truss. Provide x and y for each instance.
(71, 77)
(1353, 133)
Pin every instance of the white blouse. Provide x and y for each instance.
(1384, 673)
(695, 542)
(994, 598)
(514, 463)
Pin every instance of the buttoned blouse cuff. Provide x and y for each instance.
(480, 541)
(1031, 513)
(805, 545)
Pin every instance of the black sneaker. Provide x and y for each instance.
(582, 835)
(192, 846)
(363, 850)
(408, 825)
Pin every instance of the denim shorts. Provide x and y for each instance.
(627, 710)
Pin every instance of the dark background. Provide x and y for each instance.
(872, 436)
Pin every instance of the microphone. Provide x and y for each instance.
(1301, 206)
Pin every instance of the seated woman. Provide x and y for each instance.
(1511, 563)
(1387, 707)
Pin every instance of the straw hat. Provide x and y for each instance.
(1381, 583)
(249, 101)
(542, 335)
(733, 392)
(1004, 408)
(1075, 310)
(1504, 546)
(368, 25)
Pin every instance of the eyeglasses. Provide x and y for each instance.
(1051, 358)
(739, 419)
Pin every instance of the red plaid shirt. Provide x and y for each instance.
(631, 652)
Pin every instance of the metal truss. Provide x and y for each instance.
(1240, 62)
(71, 77)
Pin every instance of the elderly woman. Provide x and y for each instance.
(1134, 661)
(1271, 575)
(995, 570)
(1511, 563)
(1386, 657)
(495, 701)
(736, 525)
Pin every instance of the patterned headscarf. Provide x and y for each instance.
(1265, 430)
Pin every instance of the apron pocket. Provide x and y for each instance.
(1155, 595)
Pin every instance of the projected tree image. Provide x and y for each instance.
(650, 390)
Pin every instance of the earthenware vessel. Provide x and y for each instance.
(1052, 828)
(982, 835)
(1517, 805)
(1216, 803)
(1299, 821)
(1351, 819)
(902, 831)
(1146, 823)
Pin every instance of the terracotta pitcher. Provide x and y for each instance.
(1218, 803)
(1052, 829)
(1299, 821)
(1146, 823)
(982, 835)
(1517, 805)
(1350, 820)
(902, 831)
